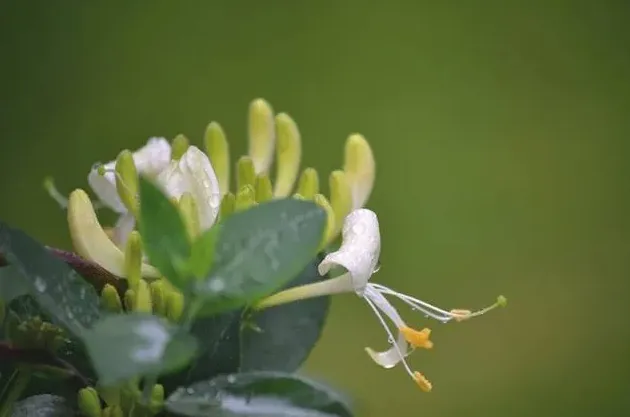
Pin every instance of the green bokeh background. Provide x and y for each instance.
(501, 136)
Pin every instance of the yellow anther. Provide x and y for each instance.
(133, 259)
(127, 181)
(262, 135)
(288, 155)
(190, 214)
(360, 168)
(179, 146)
(245, 198)
(245, 172)
(424, 384)
(340, 197)
(264, 190)
(329, 232)
(227, 206)
(218, 151)
(501, 301)
(461, 314)
(308, 185)
(417, 338)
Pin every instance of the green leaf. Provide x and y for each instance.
(163, 233)
(259, 250)
(255, 394)
(12, 285)
(68, 299)
(218, 353)
(281, 338)
(202, 252)
(128, 345)
(43, 405)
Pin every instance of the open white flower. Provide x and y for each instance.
(358, 255)
(193, 174)
(149, 160)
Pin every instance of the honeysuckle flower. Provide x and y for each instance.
(359, 255)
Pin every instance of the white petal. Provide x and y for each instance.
(400, 349)
(193, 173)
(360, 249)
(150, 160)
(125, 225)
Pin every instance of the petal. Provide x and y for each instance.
(104, 186)
(360, 249)
(125, 225)
(400, 348)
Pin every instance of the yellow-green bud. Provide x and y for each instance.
(157, 298)
(308, 185)
(114, 411)
(127, 181)
(133, 259)
(360, 169)
(157, 399)
(89, 402)
(245, 172)
(174, 305)
(227, 206)
(111, 395)
(111, 299)
(245, 198)
(264, 190)
(143, 298)
(340, 198)
(190, 215)
(130, 300)
(262, 135)
(288, 155)
(179, 146)
(218, 151)
(329, 232)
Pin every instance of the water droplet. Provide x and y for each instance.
(231, 379)
(190, 391)
(390, 340)
(216, 285)
(40, 284)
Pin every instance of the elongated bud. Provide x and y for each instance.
(262, 135)
(245, 173)
(174, 305)
(218, 151)
(245, 198)
(127, 181)
(111, 394)
(329, 232)
(143, 298)
(114, 411)
(340, 198)
(179, 146)
(133, 259)
(227, 206)
(308, 184)
(264, 191)
(190, 215)
(130, 300)
(111, 299)
(157, 399)
(360, 169)
(89, 402)
(288, 155)
(157, 298)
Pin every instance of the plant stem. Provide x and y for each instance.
(18, 383)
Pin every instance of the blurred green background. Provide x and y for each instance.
(501, 137)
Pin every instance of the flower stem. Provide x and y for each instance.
(16, 386)
(340, 284)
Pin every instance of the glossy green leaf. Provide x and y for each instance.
(43, 405)
(12, 285)
(128, 345)
(67, 298)
(258, 394)
(163, 233)
(259, 250)
(202, 252)
(280, 338)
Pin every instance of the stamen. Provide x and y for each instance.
(49, 186)
(461, 315)
(424, 384)
(417, 338)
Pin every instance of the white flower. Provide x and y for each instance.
(149, 160)
(358, 255)
(193, 174)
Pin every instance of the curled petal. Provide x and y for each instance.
(193, 174)
(360, 249)
(91, 241)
